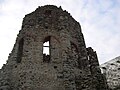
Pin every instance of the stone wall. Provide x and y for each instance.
(98, 77)
(69, 66)
(111, 70)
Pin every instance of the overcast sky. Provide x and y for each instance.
(99, 19)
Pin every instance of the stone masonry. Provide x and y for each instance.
(111, 70)
(69, 64)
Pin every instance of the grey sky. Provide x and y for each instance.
(99, 19)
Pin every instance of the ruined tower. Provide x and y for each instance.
(67, 64)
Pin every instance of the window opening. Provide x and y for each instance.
(20, 50)
(46, 50)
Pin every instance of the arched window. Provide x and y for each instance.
(20, 50)
(46, 50)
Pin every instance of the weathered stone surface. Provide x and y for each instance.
(69, 66)
(111, 70)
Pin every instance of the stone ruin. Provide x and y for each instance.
(68, 65)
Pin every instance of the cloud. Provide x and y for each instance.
(100, 21)
(101, 28)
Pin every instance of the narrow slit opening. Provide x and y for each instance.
(20, 50)
(46, 50)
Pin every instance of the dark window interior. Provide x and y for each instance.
(20, 50)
